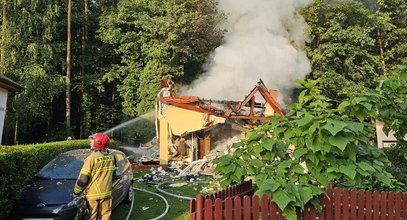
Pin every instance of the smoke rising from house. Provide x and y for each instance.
(263, 40)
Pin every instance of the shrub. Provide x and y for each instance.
(20, 162)
(398, 161)
(331, 139)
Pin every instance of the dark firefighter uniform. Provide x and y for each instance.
(95, 183)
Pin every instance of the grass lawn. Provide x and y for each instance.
(148, 206)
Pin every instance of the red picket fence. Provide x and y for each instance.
(344, 204)
(244, 189)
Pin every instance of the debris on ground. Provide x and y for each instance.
(145, 208)
(177, 184)
(144, 157)
(145, 153)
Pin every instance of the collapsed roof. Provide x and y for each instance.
(247, 113)
(190, 128)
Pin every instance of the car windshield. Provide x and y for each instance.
(64, 166)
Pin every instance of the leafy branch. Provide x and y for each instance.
(318, 142)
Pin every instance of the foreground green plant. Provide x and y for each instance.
(391, 102)
(294, 156)
(390, 99)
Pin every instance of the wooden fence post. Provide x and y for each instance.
(255, 207)
(228, 209)
(192, 209)
(237, 208)
(322, 201)
(345, 203)
(376, 203)
(383, 205)
(337, 203)
(208, 214)
(390, 201)
(398, 206)
(361, 204)
(368, 205)
(329, 204)
(218, 209)
(199, 207)
(405, 206)
(264, 207)
(246, 208)
(273, 209)
(353, 204)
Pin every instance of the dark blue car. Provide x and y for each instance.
(49, 194)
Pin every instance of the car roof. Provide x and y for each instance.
(83, 153)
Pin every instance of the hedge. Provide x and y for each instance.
(19, 163)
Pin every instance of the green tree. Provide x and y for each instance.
(157, 39)
(394, 36)
(97, 104)
(33, 48)
(28, 34)
(390, 99)
(343, 48)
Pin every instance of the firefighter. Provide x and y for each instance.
(95, 178)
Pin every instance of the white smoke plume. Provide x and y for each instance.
(263, 40)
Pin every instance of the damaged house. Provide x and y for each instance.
(190, 128)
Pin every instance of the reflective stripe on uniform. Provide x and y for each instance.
(85, 172)
(96, 184)
(103, 169)
(97, 195)
(104, 159)
(95, 179)
(78, 190)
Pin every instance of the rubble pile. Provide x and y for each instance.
(223, 147)
(149, 153)
(180, 151)
(145, 153)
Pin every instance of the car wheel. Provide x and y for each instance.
(130, 195)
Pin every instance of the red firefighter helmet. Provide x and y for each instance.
(100, 141)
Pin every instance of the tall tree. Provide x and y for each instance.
(343, 49)
(3, 27)
(28, 58)
(68, 68)
(82, 72)
(98, 107)
(157, 39)
(394, 35)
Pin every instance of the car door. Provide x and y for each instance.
(118, 188)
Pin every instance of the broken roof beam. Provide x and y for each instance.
(252, 106)
(225, 102)
(260, 87)
(187, 106)
(251, 117)
(247, 99)
(266, 95)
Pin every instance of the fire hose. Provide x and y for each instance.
(162, 197)
(174, 195)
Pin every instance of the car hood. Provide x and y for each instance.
(50, 192)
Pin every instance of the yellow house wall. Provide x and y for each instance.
(269, 110)
(178, 121)
(163, 126)
(182, 120)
